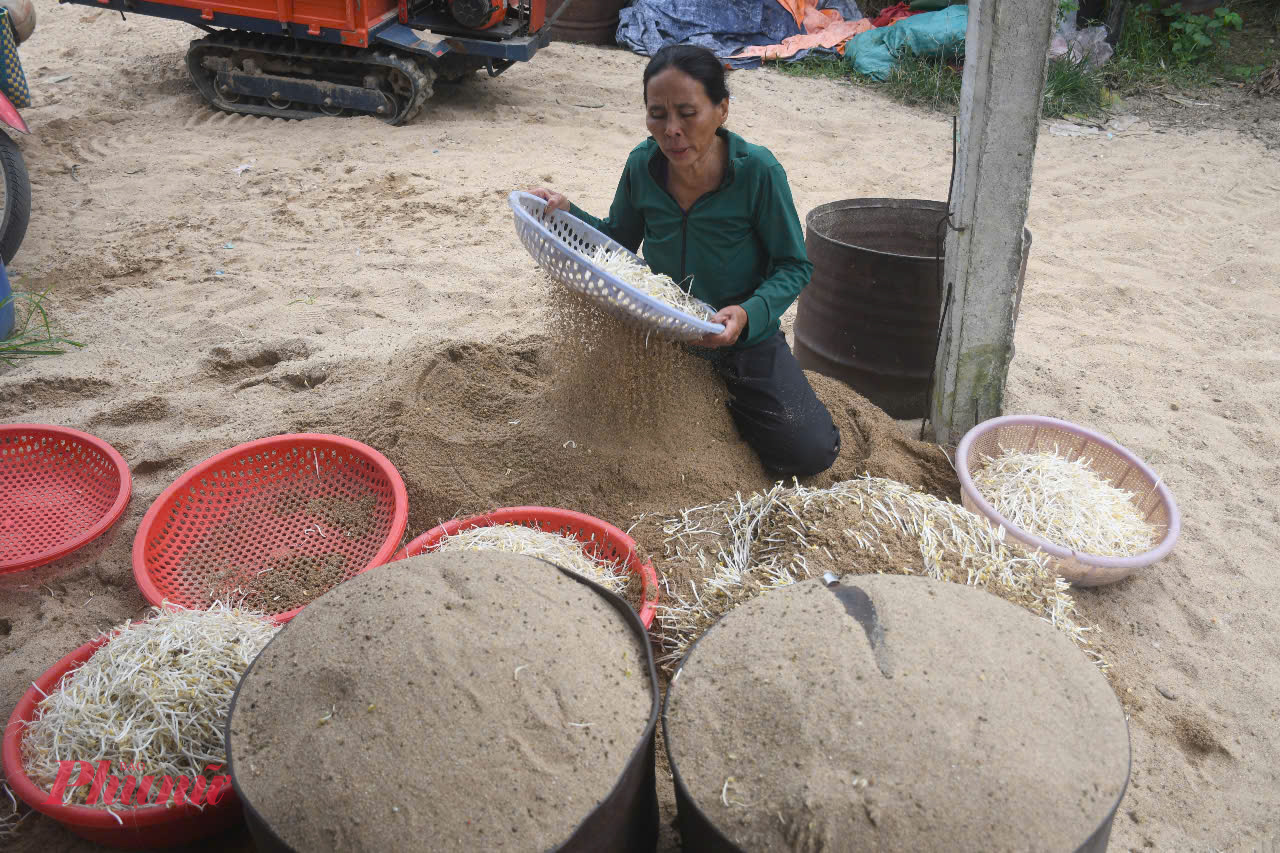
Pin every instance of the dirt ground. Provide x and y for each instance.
(1224, 109)
(220, 304)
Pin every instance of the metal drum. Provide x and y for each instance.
(869, 316)
(586, 21)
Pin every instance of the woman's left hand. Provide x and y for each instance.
(734, 319)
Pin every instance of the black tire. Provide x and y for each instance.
(17, 198)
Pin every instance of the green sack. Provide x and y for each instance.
(877, 52)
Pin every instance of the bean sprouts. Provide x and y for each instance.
(11, 815)
(563, 551)
(154, 697)
(1066, 502)
(623, 265)
(747, 547)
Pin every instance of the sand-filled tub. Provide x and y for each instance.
(892, 713)
(452, 701)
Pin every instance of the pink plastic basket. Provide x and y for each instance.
(1110, 460)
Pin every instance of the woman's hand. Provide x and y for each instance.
(554, 200)
(734, 319)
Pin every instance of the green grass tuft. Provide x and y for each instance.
(820, 65)
(1072, 88)
(923, 82)
(32, 334)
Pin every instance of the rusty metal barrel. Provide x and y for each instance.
(586, 21)
(869, 316)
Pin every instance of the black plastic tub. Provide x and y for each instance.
(699, 834)
(627, 819)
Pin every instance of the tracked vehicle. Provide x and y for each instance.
(306, 58)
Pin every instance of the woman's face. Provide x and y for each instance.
(681, 117)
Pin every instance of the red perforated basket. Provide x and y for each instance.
(599, 539)
(59, 490)
(138, 828)
(269, 505)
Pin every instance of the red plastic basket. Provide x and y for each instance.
(248, 507)
(138, 828)
(599, 539)
(59, 490)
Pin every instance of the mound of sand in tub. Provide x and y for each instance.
(894, 713)
(470, 701)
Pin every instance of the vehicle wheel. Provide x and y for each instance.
(17, 198)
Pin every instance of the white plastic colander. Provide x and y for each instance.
(562, 244)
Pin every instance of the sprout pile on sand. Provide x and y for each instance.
(11, 814)
(734, 550)
(155, 696)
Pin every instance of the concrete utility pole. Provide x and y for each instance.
(1006, 50)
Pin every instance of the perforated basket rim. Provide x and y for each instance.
(399, 517)
(519, 514)
(658, 305)
(110, 517)
(1159, 552)
(76, 815)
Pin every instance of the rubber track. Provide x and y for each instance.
(226, 42)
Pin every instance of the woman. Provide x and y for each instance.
(710, 205)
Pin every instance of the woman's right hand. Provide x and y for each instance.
(554, 200)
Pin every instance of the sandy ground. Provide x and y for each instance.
(356, 249)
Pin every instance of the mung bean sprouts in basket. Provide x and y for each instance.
(626, 268)
(563, 551)
(734, 550)
(1066, 502)
(153, 698)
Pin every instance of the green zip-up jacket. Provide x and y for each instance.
(742, 243)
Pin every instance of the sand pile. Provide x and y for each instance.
(615, 379)
(613, 430)
(483, 701)
(891, 713)
(875, 444)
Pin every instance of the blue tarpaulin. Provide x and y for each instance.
(723, 26)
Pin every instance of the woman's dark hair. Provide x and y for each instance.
(698, 62)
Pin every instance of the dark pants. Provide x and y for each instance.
(775, 408)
